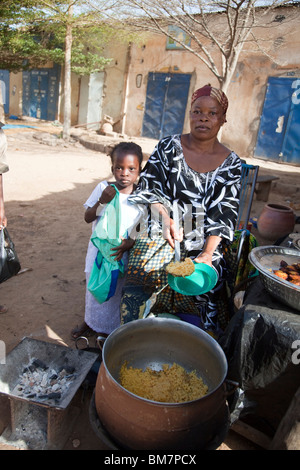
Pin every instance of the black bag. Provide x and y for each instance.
(9, 261)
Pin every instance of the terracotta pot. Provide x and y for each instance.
(275, 221)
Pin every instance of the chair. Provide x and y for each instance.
(242, 239)
(248, 181)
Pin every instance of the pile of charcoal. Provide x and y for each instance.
(40, 382)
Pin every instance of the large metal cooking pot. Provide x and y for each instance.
(138, 423)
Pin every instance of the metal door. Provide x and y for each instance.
(90, 102)
(166, 100)
(4, 83)
(40, 93)
(278, 135)
(39, 90)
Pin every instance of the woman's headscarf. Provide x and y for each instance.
(216, 93)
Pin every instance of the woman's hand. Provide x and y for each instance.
(171, 234)
(208, 250)
(126, 244)
(168, 226)
(204, 258)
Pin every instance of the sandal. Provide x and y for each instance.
(82, 330)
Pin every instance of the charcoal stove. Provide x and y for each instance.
(42, 420)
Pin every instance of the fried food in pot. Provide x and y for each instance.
(289, 272)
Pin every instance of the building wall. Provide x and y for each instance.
(246, 91)
(124, 98)
(114, 90)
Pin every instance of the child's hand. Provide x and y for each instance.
(126, 244)
(107, 195)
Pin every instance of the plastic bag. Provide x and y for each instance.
(9, 261)
(106, 270)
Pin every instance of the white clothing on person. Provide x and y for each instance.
(105, 317)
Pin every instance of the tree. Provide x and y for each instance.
(218, 29)
(70, 19)
(67, 32)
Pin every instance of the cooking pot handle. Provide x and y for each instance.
(231, 387)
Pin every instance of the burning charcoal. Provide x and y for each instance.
(50, 396)
(54, 395)
(43, 397)
(66, 370)
(70, 377)
(55, 387)
(39, 364)
(44, 380)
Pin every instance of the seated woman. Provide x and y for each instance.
(203, 177)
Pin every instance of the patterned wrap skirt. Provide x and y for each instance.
(146, 289)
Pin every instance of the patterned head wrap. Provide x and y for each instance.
(216, 93)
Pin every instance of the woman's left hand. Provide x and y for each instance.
(204, 258)
(208, 250)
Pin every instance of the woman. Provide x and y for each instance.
(203, 177)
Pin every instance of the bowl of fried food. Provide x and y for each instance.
(190, 278)
(279, 269)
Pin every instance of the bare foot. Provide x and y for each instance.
(81, 330)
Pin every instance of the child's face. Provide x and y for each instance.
(126, 169)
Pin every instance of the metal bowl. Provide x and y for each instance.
(266, 259)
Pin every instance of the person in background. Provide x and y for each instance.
(202, 176)
(126, 158)
(3, 169)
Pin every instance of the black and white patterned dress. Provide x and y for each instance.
(208, 203)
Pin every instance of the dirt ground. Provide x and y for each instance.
(44, 194)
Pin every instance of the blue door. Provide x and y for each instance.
(278, 135)
(166, 100)
(40, 93)
(4, 83)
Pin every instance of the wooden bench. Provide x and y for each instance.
(263, 186)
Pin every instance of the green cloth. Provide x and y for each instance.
(106, 270)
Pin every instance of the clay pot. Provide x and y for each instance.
(138, 423)
(106, 127)
(275, 221)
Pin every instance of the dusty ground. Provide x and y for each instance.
(44, 194)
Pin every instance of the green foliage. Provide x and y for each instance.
(33, 32)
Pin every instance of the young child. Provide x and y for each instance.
(126, 158)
